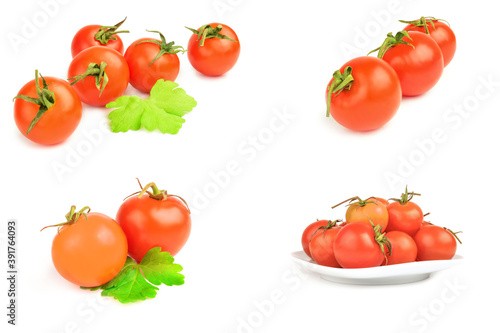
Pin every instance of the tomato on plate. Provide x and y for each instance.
(416, 58)
(89, 249)
(99, 75)
(364, 94)
(438, 30)
(150, 60)
(213, 49)
(97, 35)
(436, 243)
(360, 246)
(405, 215)
(369, 211)
(154, 219)
(403, 248)
(321, 244)
(308, 232)
(47, 110)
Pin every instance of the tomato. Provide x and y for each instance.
(150, 60)
(403, 248)
(419, 67)
(359, 246)
(154, 219)
(440, 32)
(213, 49)
(405, 215)
(435, 243)
(308, 232)
(90, 249)
(321, 244)
(97, 35)
(369, 211)
(364, 94)
(108, 64)
(59, 120)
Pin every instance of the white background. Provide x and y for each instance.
(238, 253)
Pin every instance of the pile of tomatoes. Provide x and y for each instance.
(100, 72)
(365, 93)
(377, 232)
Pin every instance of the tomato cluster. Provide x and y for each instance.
(100, 73)
(378, 233)
(365, 93)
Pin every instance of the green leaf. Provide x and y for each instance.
(163, 110)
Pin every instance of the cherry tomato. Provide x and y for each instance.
(371, 95)
(369, 211)
(61, 118)
(359, 246)
(216, 53)
(107, 61)
(440, 32)
(90, 249)
(308, 232)
(146, 68)
(435, 243)
(154, 219)
(405, 215)
(403, 248)
(321, 245)
(97, 35)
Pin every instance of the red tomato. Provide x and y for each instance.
(308, 232)
(359, 246)
(89, 250)
(321, 245)
(369, 211)
(371, 96)
(435, 243)
(97, 35)
(405, 215)
(146, 68)
(403, 248)
(61, 118)
(115, 68)
(440, 32)
(215, 55)
(419, 67)
(152, 220)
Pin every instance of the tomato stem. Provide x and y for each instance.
(382, 240)
(405, 197)
(454, 234)
(340, 82)
(165, 48)
(359, 202)
(107, 33)
(329, 225)
(71, 217)
(423, 22)
(392, 41)
(157, 194)
(93, 69)
(206, 32)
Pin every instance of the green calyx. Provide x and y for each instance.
(340, 82)
(392, 41)
(405, 197)
(107, 33)
(423, 22)
(206, 32)
(330, 225)
(45, 99)
(165, 48)
(382, 240)
(357, 201)
(98, 71)
(71, 217)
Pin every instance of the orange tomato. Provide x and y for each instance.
(368, 211)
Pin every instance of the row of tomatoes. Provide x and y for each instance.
(365, 93)
(375, 233)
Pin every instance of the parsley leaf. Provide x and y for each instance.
(137, 282)
(163, 110)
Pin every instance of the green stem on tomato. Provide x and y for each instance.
(206, 32)
(340, 82)
(422, 22)
(98, 71)
(71, 217)
(107, 33)
(392, 41)
(165, 48)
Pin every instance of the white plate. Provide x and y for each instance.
(393, 274)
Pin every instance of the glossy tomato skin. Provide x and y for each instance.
(217, 56)
(143, 76)
(373, 99)
(355, 247)
(91, 251)
(372, 212)
(149, 223)
(117, 71)
(435, 243)
(59, 122)
(308, 232)
(382, 201)
(419, 68)
(321, 246)
(443, 35)
(85, 38)
(407, 217)
(404, 248)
